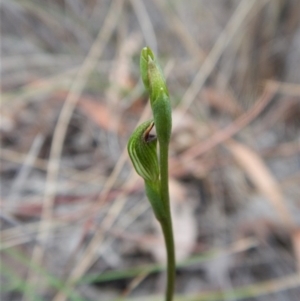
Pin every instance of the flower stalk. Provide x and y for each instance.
(142, 149)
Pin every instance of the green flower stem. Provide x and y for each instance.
(166, 224)
(143, 154)
(169, 241)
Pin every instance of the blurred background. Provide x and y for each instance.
(75, 223)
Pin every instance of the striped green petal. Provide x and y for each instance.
(143, 152)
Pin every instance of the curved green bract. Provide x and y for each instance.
(153, 195)
(142, 150)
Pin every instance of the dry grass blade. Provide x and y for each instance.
(145, 23)
(222, 101)
(28, 162)
(184, 35)
(134, 284)
(232, 129)
(262, 178)
(296, 245)
(286, 88)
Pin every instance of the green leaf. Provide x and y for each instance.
(142, 150)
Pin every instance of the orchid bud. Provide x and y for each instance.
(146, 54)
(155, 83)
(151, 73)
